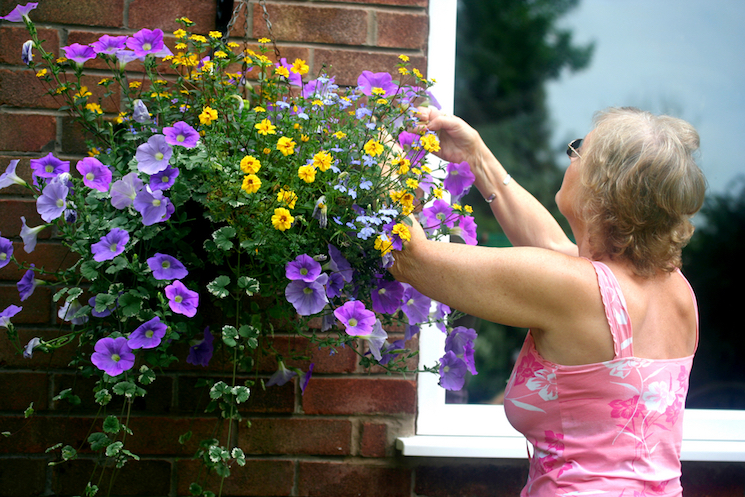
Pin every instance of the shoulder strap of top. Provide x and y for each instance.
(615, 310)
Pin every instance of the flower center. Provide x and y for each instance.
(156, 202)
(90, 176)
(159, 156)
(440, 216)
(149, 333)
(165, 264)
(147, 46)
(381, 291)
(115, 357)
(352, 322)
(307, 290)
(3, 256)
(49, 168)
(165, 179)
(180, 138)
(304, 271)
(453, 173)
(178, 299)
(60, 202)
(113, 247)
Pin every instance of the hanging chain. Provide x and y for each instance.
(269, 28)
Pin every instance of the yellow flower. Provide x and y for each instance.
(198, 38)
(307, 173)
(437, 192)
(403, 70)
(417, 73)
(322, 160)
(267, 151)
(208, 115)
(300, 67)
(318, 103)
(104, 81)
(179, 33)
(412, 183)
(233, 44)
(404, 58)
(430, 143)
(282, 220)
(426, 169)
(283, 71)
(264, 40)
(251, 183)
(94, 108)
(287, 197)
(250, 164)
(266, 127)
(82, 93)
(61, 60)
(416, 171)
(135, 84)
(340, 134)
(120, 117)
(468, 209)
(93, 152)
(181, 46)
(457, 207)
(373, 148)
(215, 34)
(185, 20)
(220, 54)
(402, 231)
(304, 138)
(41, 73)
(286, 146)
(258, 108)
(381, 101)
(383, 245)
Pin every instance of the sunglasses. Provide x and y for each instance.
(572, 148)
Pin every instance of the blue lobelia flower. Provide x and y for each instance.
(452, 372)
(113, 356)
(110, 245)
(148, 335)
(307, 297)
(52, 202)
(166, 267)
(153, 155)
(200, 352)
(6, 251)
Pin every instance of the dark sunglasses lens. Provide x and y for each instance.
(573, 147)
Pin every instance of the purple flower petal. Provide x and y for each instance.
(79, 53)
(459, 178)
(452, 372)
(200, 352)
(95, 174)
(152, 205)
(378, 84)
(52, 202)
(304, 267)
(27, 284)
(153, 156)
(109, 44)
(19, 12)
(8, 313)
(182, 134)
(386, 298)
(124, 191)
(6, 251)
(29, 235)
(415, 305)
(113, 356)
(166, 267)
(9, 177)
(164, 179)
(282, 376)
(110, 245)
(146, 41)
(307, 297)
(357, 320)
(148, 335)
(48, 167)
(181, 300)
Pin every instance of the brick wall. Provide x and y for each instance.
(337, 439)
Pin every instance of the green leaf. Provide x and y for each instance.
(89, 270)
(114, 449)
(130, 304)
(251, 285)
(239, 456)
(91, 490)
(222, 237)
(195, 490)
(111, 425)
(147, 375)
(103, 397)
(185, 437)
(219, 389)
(99, 441)
(69, 453)
(119, 263)
(59, 294)
(229, 335)
(29, 411)
(104, 301)
(217, 286)
(126, 388)
(73, 294)
(241, 393)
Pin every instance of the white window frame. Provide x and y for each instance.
(482, 431)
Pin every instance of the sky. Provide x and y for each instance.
(685, 58)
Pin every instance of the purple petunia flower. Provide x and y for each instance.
(415, 305)
(95, 174)
(406, 140)
(335, 285)
(459, 179)
(110, 245)
(9, 177)
(181, 134)
(437, 214)
(281, 376)
(386, 298)
(390, 351)
(319, 88)
(166, 267)
(164, 179)
(28, 351)
(109, 44)
(6, 251)
(27, 284)
(68, 310)
(8, 313)
(48, 167)
(113, 356)
(295, 78)
(358, 321)
(124, 191)
(460, 342)
(153, 156)
(200, 352)
(181, 300)
(307, 297)
(304, 267)
(126, 56)
(379, 84)
(139, 112)
(339, 263)
(148, 335)
(376, 340)
(152, 205)
(440, 314)
(20, 12)
(52, 202)
(79, 53)
(466, 230)
(305, 378)
(452, 372)
(27, 55)
(146, 41)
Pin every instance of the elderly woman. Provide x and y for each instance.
(600, 384)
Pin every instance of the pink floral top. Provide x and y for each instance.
(612, 428)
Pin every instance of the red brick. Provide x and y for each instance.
(159, 435)
(13, 36)
(334, 25)
(157, 399)
(275, 399)
(24, 89)
(374, 440)
(267, 478)
(36, 308)
(346, 65)
(32, 478)
(202, 12)
(353, 480)
(36, 434)
(86, 12)
(59, 359)
(402, 30)
(19, 390)
(328, 437)
(74, 137)
(359, 396)
(48, 255)
(144, 477)
(343, 361)
(27, 132)
(10, 222)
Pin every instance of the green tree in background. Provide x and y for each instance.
(506, 52)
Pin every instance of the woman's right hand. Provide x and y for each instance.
(459, 142)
